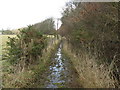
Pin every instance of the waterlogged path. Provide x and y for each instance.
(62, 73)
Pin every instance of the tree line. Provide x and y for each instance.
(93, 27)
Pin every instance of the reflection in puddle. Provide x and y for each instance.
(60, 74)
(56, 69)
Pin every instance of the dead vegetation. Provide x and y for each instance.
(91, 74)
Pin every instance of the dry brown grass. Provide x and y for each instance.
(91, 74)
(26, 78)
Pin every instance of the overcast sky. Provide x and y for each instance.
(20, 13)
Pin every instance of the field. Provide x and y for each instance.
(3, 40)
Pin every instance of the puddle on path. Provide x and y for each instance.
(62, 73)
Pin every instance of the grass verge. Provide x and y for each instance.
(91, 75)
(32, 77)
